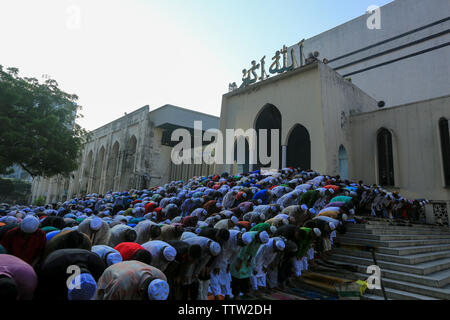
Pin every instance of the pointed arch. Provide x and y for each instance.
(385, 151)
(98, 169)
(269, 118)
(343, 163)
(445, 149)
(298, 154)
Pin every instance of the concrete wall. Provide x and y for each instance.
(417, 78)
(340, 99)
(296, 94)
(149, 165)
(417, 157)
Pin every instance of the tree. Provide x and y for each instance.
(38, 129)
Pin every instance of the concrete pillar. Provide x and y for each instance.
(283, 156)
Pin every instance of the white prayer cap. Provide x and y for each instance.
(259, 201)
(158, 290)
(262, 216)
(243, 230)
(214, 248)
(344, 217)
(304, 207)
(285, 221)
(264, 237)
(29, 224)
(202, 224)
(317, 232)
(113, 258)
(280, 245)
(234, 219)
(169, 253)
(351, 211)
(227, 213)
(237, 228)
(273, 229)
(96, 223)
(246, 238)
(332, 226)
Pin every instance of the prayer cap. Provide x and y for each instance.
(113, 258)
(264, 237)
(83, 287)
(169, 253)
(280, 245)
(214, 248)
(158, 290)
(317, 232)
(247, 238)
(96, 224)
(29, 224)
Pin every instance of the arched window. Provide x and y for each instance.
(343, 163)
(445, 149)
(385, 158)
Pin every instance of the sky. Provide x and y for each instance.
(118, 56)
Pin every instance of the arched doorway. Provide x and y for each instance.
(112, 167)
(445, 148)
(98, 170)
(269, 118)
(242, 160)
(127, 175)
(87, 174)
(298, 154)
(343, 163)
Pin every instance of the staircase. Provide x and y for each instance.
(414, 259)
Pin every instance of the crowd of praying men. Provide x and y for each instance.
(215, 237)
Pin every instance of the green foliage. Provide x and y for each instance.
(14, 191)
(40, 201)
(6, 187)
(38, 129)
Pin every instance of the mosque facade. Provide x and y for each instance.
(367, 103)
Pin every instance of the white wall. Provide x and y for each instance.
(418, 78)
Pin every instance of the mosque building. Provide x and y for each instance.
(368, 100)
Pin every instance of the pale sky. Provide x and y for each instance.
(121, 55)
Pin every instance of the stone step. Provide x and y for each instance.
(390, 243)
(402, 236)
(406, 259)
(403, 251)
(397, 228)
(384, 231)
(372, 297)
(412, 227)
(393, 294)
(437, 293)
(424, 268)
(437, 279)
